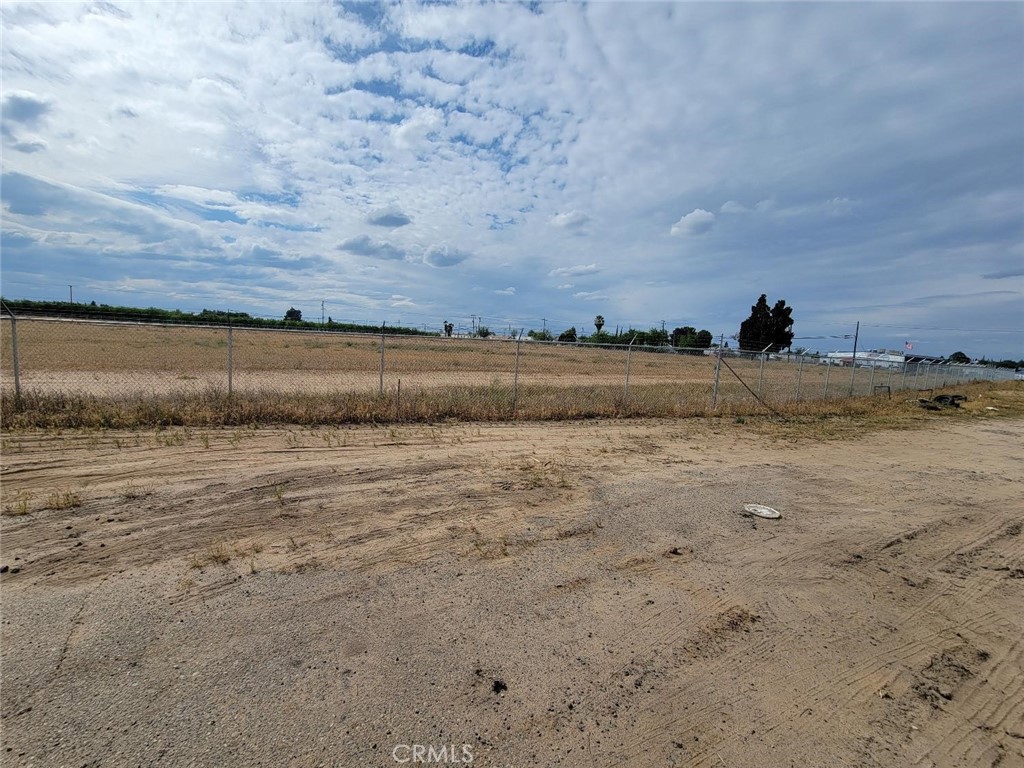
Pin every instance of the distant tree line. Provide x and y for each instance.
(94, 311)
(686, 337)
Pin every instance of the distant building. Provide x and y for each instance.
(879, 358)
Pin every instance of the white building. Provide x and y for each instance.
(879, 358)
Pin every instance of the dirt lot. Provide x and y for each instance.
(128, 359)
(582, 594)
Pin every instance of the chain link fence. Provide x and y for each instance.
(428, 377)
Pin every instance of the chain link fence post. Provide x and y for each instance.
(871, 381)
(515, 378)
(231, 347)
(799, 374)
(14, 355)
(381, 391)
(828, 372)
(625, 391)
(718, 368)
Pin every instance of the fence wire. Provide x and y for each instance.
(426, 377)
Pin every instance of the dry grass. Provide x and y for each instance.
(221, 553)
(132, 492)
(836, 419)
(94, 376)
(213, 408)
(62, 499)
(19, 505)
(217, 553)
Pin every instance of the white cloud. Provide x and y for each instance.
(590, 296)
(416, 130)
(570, 220)
(198, 195)
(510, 291)
(566, 286)
(731, 206)
(696, 222)
(578, 269)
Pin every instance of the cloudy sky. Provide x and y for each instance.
(526, 163)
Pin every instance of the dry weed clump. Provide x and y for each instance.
(132, 492)
(220, 553)
(62, 499)
(492, 402)
(217, 553)
(19, 505)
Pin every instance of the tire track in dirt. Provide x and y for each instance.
(634, 615)
(988, 729)
(865, 678)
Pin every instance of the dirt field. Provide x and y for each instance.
(580, 594)
(129, 359)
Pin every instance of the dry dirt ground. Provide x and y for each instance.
(584, 594)
(120, 359)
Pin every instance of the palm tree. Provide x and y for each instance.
(599, 322)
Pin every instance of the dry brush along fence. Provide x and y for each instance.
(86, 373)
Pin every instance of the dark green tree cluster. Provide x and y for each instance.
(655, 337)
(767, 328)
(689, 337)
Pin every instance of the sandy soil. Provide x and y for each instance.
(527, 595)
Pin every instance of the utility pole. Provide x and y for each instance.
(544, 320)
(321, 312)
(71, 294)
